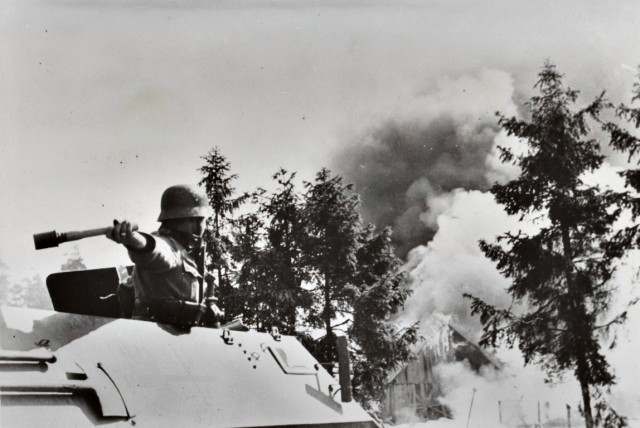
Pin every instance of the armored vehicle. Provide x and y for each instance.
(82, 365)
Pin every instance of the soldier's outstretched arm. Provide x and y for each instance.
(124, 233)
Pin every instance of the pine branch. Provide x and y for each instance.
(340, 324)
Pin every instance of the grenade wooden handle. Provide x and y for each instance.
(53, 238)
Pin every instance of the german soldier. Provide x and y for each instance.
(169, 273)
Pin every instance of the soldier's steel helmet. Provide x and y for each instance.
(184, 201)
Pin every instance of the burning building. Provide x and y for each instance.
(414, 390)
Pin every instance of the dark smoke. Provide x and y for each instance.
(400, 165)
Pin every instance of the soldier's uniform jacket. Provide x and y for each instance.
(168, 278)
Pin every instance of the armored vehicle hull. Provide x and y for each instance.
(72, 370)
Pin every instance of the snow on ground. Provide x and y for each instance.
(440, 423)
(450, 423)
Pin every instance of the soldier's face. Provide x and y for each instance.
(192, 225)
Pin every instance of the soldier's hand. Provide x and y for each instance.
(124, 233)
(215, 311)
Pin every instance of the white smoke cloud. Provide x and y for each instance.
(468, 98)
(517, 395)
(452, 263)
(511, 397)
(623, 358)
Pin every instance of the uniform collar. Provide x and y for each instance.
(189, 241)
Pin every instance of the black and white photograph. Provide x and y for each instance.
(320, 213)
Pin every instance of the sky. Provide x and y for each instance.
(104, 104)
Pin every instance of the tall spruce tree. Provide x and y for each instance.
(217, 182)
(332, 229)
(252, 297)
(357, 286)
(560, 274)
(272, 269)
(285, 237)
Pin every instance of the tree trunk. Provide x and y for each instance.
(576, 315)
(586, 396)
(292, 288)
(326, 315)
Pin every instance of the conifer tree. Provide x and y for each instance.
(252, 297)
(285, 237)
(357, 284)
(332, 228)
(305, 261)
(272, 270)
(561, 273)
(217, 182)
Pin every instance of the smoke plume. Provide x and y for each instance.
(425, 171)
(433, 144)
